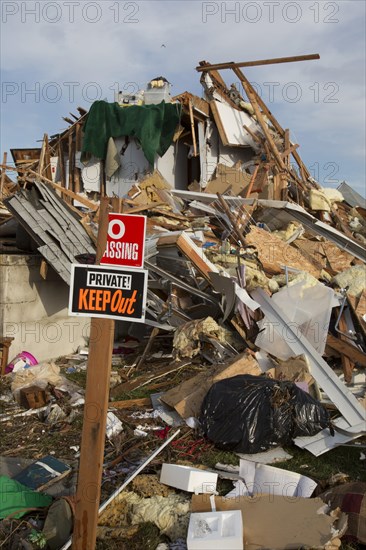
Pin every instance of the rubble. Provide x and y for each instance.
(254, 271)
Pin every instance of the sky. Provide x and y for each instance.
(58, 55)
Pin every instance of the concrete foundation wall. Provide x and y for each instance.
(34, 311)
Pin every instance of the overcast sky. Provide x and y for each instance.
(56, 56)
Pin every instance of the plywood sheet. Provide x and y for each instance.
(275, 253)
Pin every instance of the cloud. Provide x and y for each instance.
(92, 49)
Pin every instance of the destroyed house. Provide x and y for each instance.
(242, 291)
(230, 207)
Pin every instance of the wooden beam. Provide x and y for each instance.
(3, 174)
(65, 134)
(61, 162)
(252, 180)
(95, 417)
(275, 60)
(78, 136)
(253, 100)
(239, 235)
(56, 186)
(143, 207)
(277, 187)
(277, 126)
(128, 403)
(71, 161)
(64, 191)
(219, 124)
(155, 331)
(343, 227)
(345, 347)
(288, 149)
(253, 135)
(74, 196)
(285, 155)
(192, 128)
(220, 86)
(47, 167)
(44, 166)
(303, 170)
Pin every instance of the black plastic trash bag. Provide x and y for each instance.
(250, 414)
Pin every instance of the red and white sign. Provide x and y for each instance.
(125, 240)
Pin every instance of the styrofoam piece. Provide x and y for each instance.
(277, 454)
(220, 530)
(192, 480)
(262, 479)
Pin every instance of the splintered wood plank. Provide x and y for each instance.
(338, 259)
(43, 269)
(313, 251)
(238, 232)
(75, 196)
(304, 171)
(3, 174)
(143, 207)
(260, 119)
(192, 128)
(342, 226)
(218, 123)
(252, 180)
(129, 403)
(195, 255)
(155, 331)
(361, 312)
(275, 254)
(95, 417)
(347, 364)
(345, 347)
(61, 161)
(71, 161)
(145, 379)
(275, 60)
(361, 306)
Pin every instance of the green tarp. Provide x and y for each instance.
(152, 125)
(16, 499)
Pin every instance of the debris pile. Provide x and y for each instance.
(255, 321)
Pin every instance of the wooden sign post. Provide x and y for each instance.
(95, 416)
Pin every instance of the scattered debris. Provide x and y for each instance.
(256, 306)
(309, 523)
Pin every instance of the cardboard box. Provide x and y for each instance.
(187, 397)
(272, 522)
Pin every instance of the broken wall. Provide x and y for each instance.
(173, 166)
(219, 153)
(34, 311)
